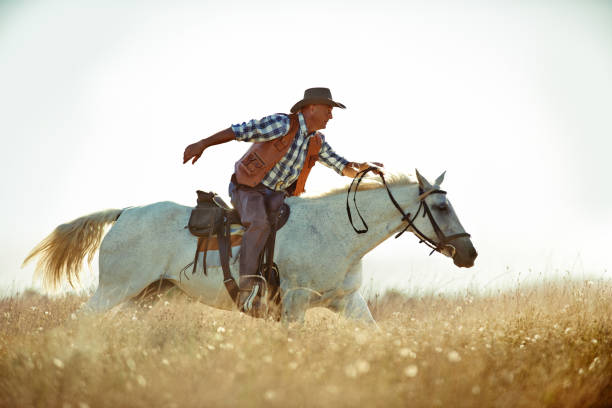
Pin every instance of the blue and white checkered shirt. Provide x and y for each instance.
(288, 169)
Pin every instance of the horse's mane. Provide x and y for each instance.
(371, 183)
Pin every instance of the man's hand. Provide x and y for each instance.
(378, 167)
(194, 151)
(351, 169)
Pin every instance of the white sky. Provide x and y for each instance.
(98, 103)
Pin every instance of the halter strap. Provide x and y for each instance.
(357, 178)
(436, 246)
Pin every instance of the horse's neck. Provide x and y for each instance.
(376, 208)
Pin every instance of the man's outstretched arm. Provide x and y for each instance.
(195, 150)
(331, 159)
(262, 130)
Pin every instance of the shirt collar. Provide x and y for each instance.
(303, 127)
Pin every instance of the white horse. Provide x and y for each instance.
(317, 252)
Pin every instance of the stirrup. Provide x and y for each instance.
(253, 301)
(247, 304)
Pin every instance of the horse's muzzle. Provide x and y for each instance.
(465, 254)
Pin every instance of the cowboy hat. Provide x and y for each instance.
(313, 96)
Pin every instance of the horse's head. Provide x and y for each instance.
(439, 226)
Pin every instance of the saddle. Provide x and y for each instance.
(212, 219)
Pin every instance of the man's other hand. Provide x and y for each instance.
(193, 151)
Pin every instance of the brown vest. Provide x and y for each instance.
(263, 156)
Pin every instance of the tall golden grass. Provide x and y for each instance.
(543, 346)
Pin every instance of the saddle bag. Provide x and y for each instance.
(207, 217)
(212, 216)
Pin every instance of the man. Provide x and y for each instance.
(285, 149)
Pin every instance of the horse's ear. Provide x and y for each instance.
(440, 179)
(425, 185)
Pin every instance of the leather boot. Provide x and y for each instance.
(252, 298)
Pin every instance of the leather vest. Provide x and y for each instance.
(263, 156)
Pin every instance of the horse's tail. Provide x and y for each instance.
(62, 251)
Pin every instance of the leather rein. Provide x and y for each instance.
(443, 240)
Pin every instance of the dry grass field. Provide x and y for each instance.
(543, 346)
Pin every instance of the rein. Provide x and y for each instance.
(443, 240)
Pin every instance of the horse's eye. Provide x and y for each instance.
(442, 207)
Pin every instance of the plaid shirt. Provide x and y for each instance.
(288, 169)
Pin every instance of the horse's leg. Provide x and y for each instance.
(111, 293)
(295, 302)
(162, 289)
(353, 307)
(107, 297)
(123, 275)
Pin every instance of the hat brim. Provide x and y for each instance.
(316, 101)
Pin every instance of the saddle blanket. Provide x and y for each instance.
(212, 254)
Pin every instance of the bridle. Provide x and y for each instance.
(443, 239)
